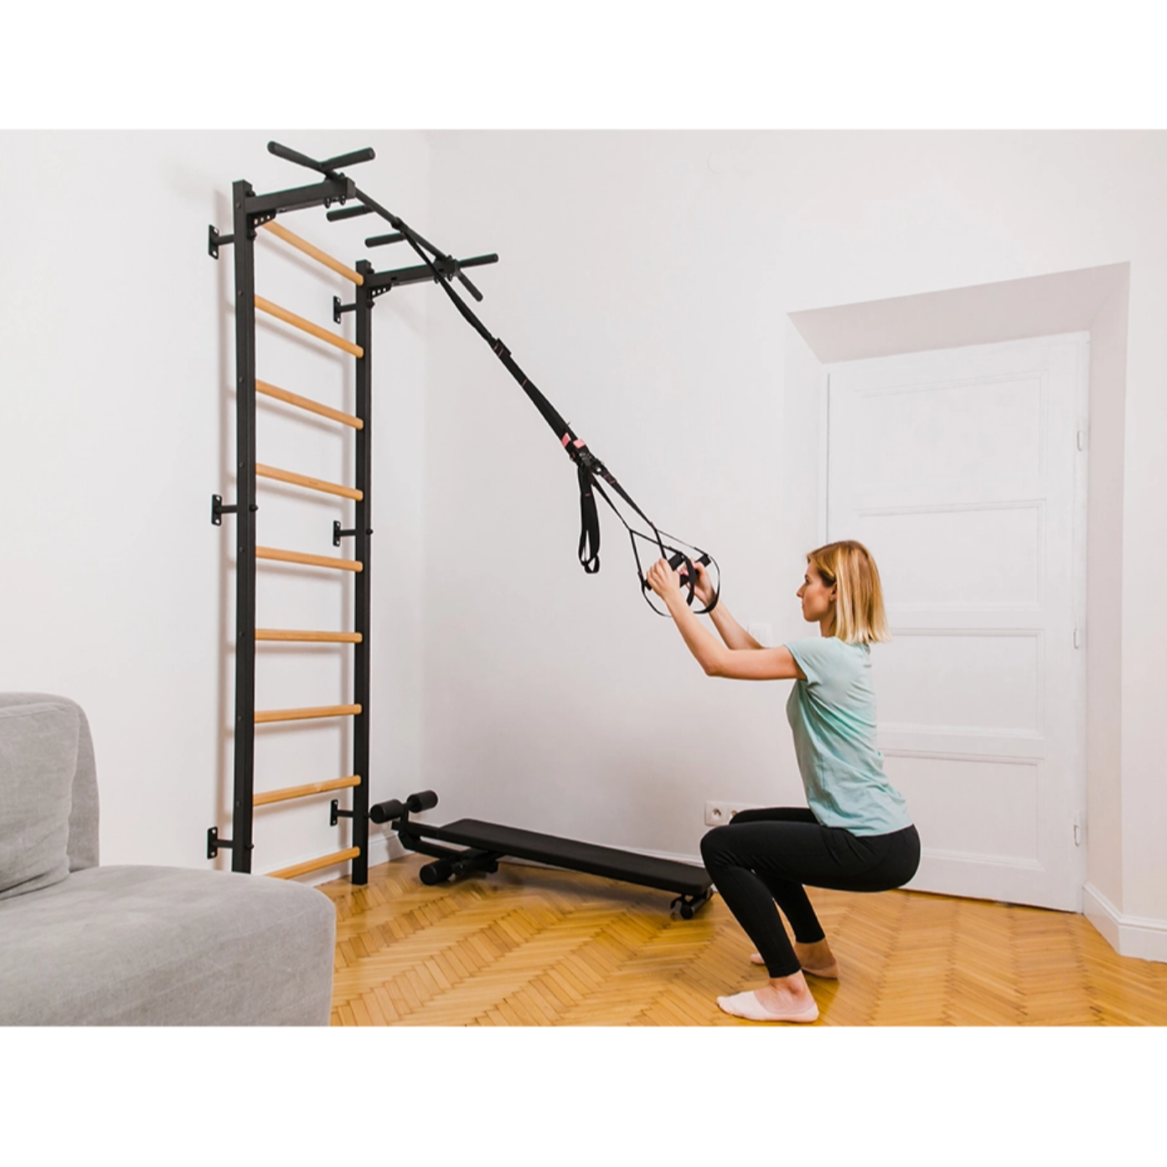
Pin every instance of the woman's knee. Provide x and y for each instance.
(713, 845)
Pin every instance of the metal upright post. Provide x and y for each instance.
(361, 582)
(245, 529)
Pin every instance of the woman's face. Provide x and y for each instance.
(817, 599)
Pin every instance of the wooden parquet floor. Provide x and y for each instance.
(534, 946)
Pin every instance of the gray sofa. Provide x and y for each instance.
(82, 944)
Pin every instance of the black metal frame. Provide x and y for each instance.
(249, 212)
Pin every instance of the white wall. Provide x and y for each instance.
(645, 285)
(117, 425)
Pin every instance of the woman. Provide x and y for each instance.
(856, 834)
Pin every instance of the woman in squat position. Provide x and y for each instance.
(856, 834)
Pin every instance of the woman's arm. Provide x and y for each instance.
(744, 664)
(731, 632)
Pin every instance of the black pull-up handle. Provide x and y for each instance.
(329, 166)
(350, 159)
(348, 213)
(383, 240)
(290, 155)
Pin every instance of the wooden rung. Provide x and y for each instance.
(306, 714)
(294, 634)
(310, 483)
(307, 403)
(315, 864)
(315, 252)
(310, 560)
(270, 796)
(307, 326)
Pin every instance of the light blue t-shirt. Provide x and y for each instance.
(832, 714)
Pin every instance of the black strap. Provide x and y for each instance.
(589, 523)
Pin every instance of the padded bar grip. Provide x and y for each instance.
(677, 558)
(290, 155)
(350, 159)
(386, 812)
(425, 800)
(478, 260)
(348, 212)
(382, 240)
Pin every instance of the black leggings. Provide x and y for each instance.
(767, 855)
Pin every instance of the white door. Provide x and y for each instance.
(963, 472)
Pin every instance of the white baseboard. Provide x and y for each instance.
(1127, 935)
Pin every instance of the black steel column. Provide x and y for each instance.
(245, 530)
(362, 579)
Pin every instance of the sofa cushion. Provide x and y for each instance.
(167, 946)
(38, 757)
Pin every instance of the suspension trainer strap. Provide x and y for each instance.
(590, 471)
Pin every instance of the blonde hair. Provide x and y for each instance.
(849, 567)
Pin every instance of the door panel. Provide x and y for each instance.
(960, 471)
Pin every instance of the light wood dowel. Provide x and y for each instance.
(306, 481)
(270, 796)
(267, 715)
(315, 864)
(294, 634)
(315, 252)
(307, 326)
(307, 403)
(310, 560)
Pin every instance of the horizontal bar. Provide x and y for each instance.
(297, 199)
(383, 240)
(309, 560)
(348, 212)
(365, 154)
(310, 483)
(294, 634)
(307, 326)
(270, 796)
(315, 864)
(479, 260)
(307, 403)
(422, 272)
(262, 717)
(309, 249)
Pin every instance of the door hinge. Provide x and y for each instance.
(1079, 637)
(1079, 830)
(1081, 439)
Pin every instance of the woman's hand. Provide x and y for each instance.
(703, 588)
(663, 580)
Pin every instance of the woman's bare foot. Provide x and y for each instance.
(780, 999)
(816, 959)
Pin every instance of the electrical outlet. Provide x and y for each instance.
(717, 814)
